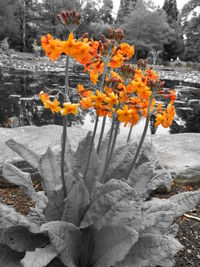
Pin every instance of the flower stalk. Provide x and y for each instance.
(101, 89)
(132, 166)
(111, 150)
(64, 134)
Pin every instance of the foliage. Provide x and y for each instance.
(170, 7)
(148, 29)
(126, 7)
(190, 18)
(111, 224)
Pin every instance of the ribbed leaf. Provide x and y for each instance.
(112, 243)
(39, 258)
(9, 257)
(23, 179)
(81, 157)
(76, 203)
(184, 202)
(146, 179)
(50, 172)
(23, 151)
(55, 205)
(66, 239)
(20, 239)
(9, 217)
(154, 249)
(113, 203)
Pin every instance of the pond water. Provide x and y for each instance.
(19, 98)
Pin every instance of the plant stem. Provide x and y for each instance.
(91, 145)
(142, 137)
(101, 134)
(110, 139)
(129, 135)
(111, 150)
(64, 134)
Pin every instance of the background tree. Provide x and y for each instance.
(190, 19)
(106, 12)
(175, 47)
(125, 8)
(147, 28)
(170, 7)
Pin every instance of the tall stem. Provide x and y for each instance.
(110, 139)
(101, 134)
(129, 135)
(104, 119)
(111, 150)
(64, 134)
(91, 145)
(142, 137)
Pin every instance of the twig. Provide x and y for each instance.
(192, 217)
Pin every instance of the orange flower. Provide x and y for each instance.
(70, 46)
(172, 96)
(130, 88)
(112, 99)
(54, 106)
(69, 108)
(116, 61)
(84, 92)
(117, 76)
(53, 48)
(86, 103)
(150, 75)
(99, 98)
(94, 77)
(80, 52)
(103, 111)
(44, 97)
(134, 118)
(126, 50)
(124, 115)
(166, 118)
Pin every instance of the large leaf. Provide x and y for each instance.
(113, 203)
(178, 204)
(159, 222)
(20, 239)
(9, 217)
(55, 206)
(9, 257)
(40, 257)
(66, 239)
(50, 172)
(146, 179)
(23, 179)
(112, 243)
(184, 202)
(76, 203)
(154, 250)
(36, 214)
(123, 156)
(23, 151)
(81, 157)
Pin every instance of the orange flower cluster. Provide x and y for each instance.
(126, 94)
(68, 108)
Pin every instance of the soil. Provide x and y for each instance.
(189, 228)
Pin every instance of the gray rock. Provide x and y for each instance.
(36, 138)
(190, 175)
(177, 152)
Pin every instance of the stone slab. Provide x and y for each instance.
(176, 152)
